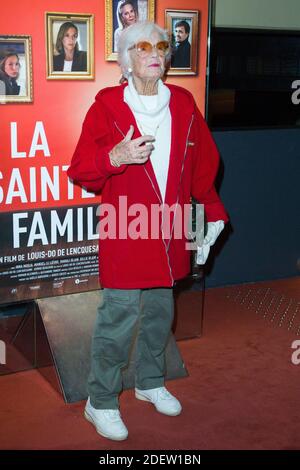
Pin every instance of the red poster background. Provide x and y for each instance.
(62, 104)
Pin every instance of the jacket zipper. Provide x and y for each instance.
(161, 228)
(119, 129)
(182, 168)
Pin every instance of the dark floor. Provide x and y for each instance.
(242, 391)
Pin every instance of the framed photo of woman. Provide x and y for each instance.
(70, 46)
(183, 27)
(15, 69)
(119, 14)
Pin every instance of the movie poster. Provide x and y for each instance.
(47, 248)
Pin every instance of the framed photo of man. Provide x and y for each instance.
(15, 69)
(70, 46)
(119, 14)
(183, 27)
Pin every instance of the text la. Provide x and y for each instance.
(38, 142)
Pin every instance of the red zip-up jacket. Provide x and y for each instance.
(145, 262)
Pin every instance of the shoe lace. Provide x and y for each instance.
(112, 415)
(164, 394)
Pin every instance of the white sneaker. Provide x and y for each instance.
(108, 423)
(163, 401)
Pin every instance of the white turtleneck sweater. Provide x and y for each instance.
(153, 117)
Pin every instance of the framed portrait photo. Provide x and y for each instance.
(15, 69)
(122, 13)
(70, 46)
(183, 27)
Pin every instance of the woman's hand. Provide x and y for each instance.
(134, 151)
(213, 231)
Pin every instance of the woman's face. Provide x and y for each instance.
(128, 15)
(150, 67)
(12, 66)
(70, 39)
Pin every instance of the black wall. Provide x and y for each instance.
(259, 183)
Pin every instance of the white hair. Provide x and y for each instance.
(141, 30)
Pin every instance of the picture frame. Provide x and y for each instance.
(70, 46)
(184, 31)
(115, 21)
(15, 69)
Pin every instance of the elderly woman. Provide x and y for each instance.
(127, 14)
(143, 144)
(9, 73)
(68, 57)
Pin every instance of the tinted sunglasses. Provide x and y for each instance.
(144, 48)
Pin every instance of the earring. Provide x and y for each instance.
(129, 70)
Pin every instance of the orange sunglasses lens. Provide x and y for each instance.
(145, 47)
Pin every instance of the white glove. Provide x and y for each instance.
(213, 231)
